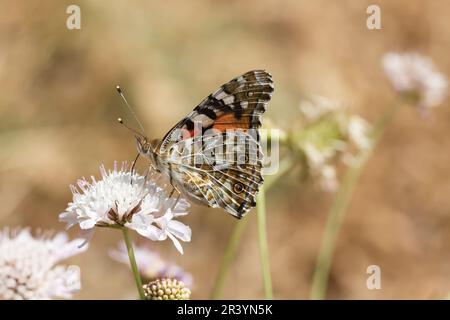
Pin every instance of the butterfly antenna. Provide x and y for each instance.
(129, 128)
(120, 92)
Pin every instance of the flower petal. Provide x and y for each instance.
(176, 243)
(179, 230)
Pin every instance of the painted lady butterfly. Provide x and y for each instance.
(213, 156)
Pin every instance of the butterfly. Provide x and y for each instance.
(213, 156)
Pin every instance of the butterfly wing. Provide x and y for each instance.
(231, 177)
(236, 104)
(221, 170)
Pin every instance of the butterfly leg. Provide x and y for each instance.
(133, 166)
(171, 193)
(177, 198)
(134, 163)
(147, 173)
(176, 201)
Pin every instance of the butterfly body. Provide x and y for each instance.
(213, 156)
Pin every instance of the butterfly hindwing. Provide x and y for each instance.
(222, 173)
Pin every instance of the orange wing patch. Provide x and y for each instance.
(228, 121)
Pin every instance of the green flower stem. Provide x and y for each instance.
(236, 234)
(263, 245)
(337, 211)
(228, 257)
(134, 268)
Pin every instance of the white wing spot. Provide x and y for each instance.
(220, 94)
(228, 100)
(203, 119)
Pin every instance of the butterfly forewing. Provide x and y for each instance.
(213, 156)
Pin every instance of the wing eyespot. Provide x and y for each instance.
(238, 187)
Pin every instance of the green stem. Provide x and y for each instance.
(337, 211)
(236, 234)
(228, 257)
(263, 246)
(134, 268)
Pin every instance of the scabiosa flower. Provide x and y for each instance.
(166, 289)
(414, 76)
(29, 265)
(316, 107)
(150, 264)
(126, 199)
(358, 132)
(328, 133)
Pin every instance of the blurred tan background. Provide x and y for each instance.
(58, 110)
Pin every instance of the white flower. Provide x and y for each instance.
(150, 264)
(414, 75)
(315, 157)
(329, 133)
(319, 169)
(358, 132)
(126, 199)
(328, 179)
(317, 107)
(28, 266)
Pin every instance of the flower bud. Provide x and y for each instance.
(166, 289)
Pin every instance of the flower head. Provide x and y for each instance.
(317, 107)
(166, 289)
(329, 133)
(151, 265)
(125, 199)
(28, 266)
(414, 76)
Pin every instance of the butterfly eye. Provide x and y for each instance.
(238, 187)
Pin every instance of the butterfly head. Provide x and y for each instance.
(148, 148)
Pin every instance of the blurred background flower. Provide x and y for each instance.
(328, 134)
(150, 264)
(414, 76)
(29, 266)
